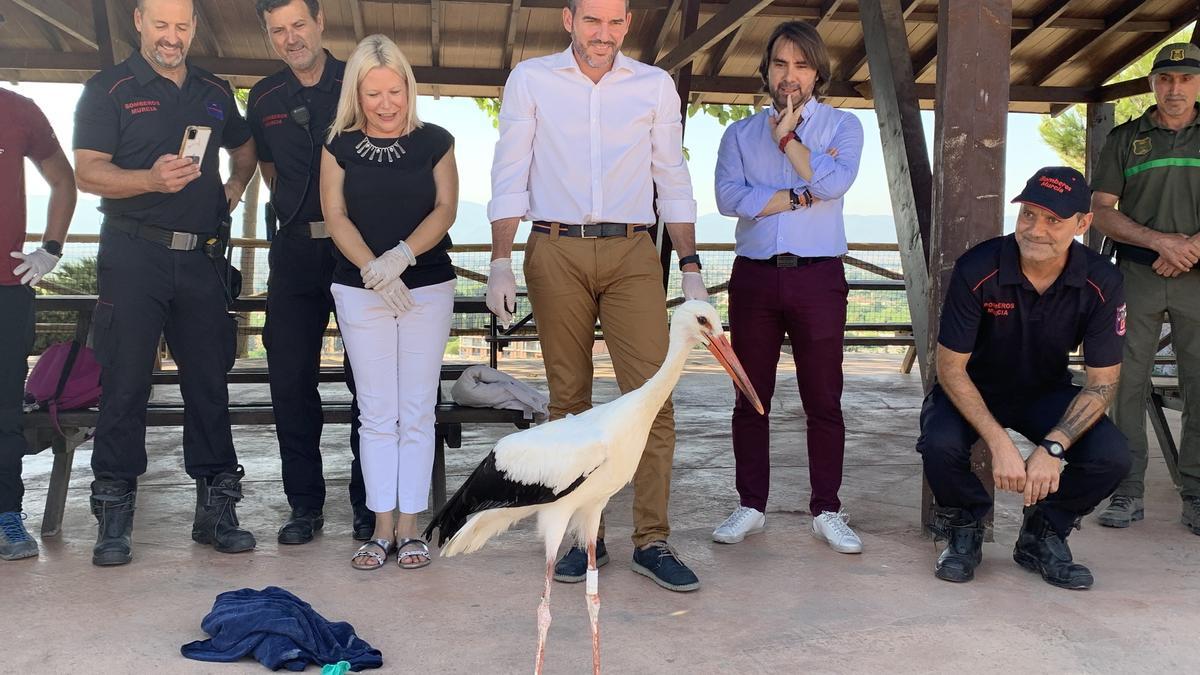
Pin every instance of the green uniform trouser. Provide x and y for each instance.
(1148, 295)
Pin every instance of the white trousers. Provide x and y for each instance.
(397, 364)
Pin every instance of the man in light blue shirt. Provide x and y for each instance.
(783, 173)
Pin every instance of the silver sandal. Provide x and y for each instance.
(371, 550)
(420, 550)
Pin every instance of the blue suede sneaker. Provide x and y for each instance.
(572, 567)
(664, 568)
(15, 542)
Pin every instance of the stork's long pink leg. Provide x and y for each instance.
(593, 604)
(543, 616)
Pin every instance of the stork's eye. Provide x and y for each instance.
(703, 321)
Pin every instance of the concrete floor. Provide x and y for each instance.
(780, 602)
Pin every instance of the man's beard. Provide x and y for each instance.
(581, 51)
(798, 99)
(162, 60)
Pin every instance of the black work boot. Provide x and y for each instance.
(964, 547)
(299, 529)
(1041, 549)
(112, 504)
(216, 520)
(364, 522)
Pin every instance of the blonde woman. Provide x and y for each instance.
(389, 192)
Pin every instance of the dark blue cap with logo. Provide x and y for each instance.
(1059, 189)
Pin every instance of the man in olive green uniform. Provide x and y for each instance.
(1146, 197)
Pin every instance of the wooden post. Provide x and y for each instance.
(969, 139)
(683, 84)
(1100, 121)
(103, 36)
(905, 158)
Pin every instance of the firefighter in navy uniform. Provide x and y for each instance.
(161, 270)
(289, 113)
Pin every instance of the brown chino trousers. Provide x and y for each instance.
(572, 282)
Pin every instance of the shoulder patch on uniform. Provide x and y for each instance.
(1121, 319)
(1141, 146)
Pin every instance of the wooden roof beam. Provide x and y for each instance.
(510, 34)
(208, 33)
(435, 30)
(723, 50)
(858, 57)
(63, 17)
(661, 32)
(356, 15)
(718, 26)
(1128, 57)
(1052, 63)
(828, 7)
(1043, 20)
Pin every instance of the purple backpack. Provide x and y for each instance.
(65, 377)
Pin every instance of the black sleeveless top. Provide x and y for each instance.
(389, 190)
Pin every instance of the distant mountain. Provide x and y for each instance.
(472, 226)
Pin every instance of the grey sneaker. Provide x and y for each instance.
(834, 529)
(743, 521)
(1191, 514)
(15, 542)
(1122, 511)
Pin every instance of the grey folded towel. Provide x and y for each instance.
(484, 387)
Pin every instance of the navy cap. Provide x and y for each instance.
(1060, 189)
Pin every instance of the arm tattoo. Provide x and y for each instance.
(1085, 409)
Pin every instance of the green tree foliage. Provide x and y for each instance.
(1067, 133)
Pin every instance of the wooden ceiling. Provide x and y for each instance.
(1063, 51)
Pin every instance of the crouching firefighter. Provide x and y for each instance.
(1016, 307)
(147, 135)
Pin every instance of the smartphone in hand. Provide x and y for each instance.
(195, 142)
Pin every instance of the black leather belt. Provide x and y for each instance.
(590, 230)
(176, 241)
(1137, 254)
(789, 260)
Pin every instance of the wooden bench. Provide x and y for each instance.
(41, 434)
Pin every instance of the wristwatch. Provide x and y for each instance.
(1053, 448)
(794, 198)
(52, 247)
(690, 259)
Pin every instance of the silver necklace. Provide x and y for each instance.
(368, 150)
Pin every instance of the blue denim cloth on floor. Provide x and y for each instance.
(280, 630)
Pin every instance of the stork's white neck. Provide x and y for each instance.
(654, 393)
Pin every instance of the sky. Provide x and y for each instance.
(475, 137)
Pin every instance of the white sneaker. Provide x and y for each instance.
(832, 529)
(742, 522)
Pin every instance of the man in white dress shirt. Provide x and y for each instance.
(586, 135)
(782, 173)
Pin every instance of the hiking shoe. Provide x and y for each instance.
(1191, 514)
(1041, 549)
(964, 544)
(572, 567)
(659, 562)
(833, 529)
(15, 542)
(300, 527)
(743, 521)
(1122, 511)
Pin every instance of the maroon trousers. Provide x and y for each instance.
(808, 304)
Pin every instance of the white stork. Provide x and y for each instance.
(566, 470)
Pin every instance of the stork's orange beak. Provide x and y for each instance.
(723, 351)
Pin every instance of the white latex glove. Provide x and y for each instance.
(34, 266)
(502, 290)
(396, 295)
(693, 287)
(388, 266)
